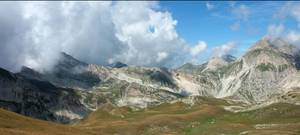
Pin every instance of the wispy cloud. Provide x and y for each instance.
(209, 6)
(235, 26)
(241, 12)
(224, 49)
(275, 30)
(244, 15)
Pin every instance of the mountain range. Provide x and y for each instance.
(245, 94)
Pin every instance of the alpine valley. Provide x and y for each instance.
(256, 94)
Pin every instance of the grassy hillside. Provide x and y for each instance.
(15, 124)
(206, 117)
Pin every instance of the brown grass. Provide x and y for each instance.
(165, 119)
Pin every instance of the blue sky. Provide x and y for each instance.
(214, 22)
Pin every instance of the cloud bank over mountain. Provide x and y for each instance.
(139, 33)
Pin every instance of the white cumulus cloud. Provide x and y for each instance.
(161, 56)
(139, 33)
(197, 49)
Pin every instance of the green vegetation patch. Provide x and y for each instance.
(266, 67)
(283, 67)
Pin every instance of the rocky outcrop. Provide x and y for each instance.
(118, 65)
(40, 99)
(67, 73)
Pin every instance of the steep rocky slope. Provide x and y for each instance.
(204, 79)
(40, 99)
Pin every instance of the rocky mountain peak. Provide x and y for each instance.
(117, 65)
(228, 58)
(270, 51)
(67, 61)
(67, 73)
(30, 73)
(187, 66)
(276, 44)
(263, 43)
(191, 68)
(217, 62)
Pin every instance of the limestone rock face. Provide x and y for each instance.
(262, 72)
(262, 69)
